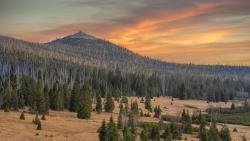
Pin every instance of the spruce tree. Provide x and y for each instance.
(148, 103)
(225, 134)
(36, 120)
(134, 108)
(14, 100)
(142, 100)
(246, 105)
(73, 107)
(40, 100)
(103, 132)
(182, 91)
(46, 99)
(109, 105)
(85, 103)
(167, 134)
(201, 120)
(7, 99)
(66, 95)
(132, 122)
(176, 131)
(39, 125)
(213, 134)
(22, 117)
(21, 100)
(232, 106)
(187, 124)
(157, 111)
(127, 135)
(99, 104)
(124, 100)
(203, 135)
(43, 117)
(112, 132)
(144, 135)
(59, 98)
(122, 118)
(155, 133)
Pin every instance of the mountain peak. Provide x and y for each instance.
(82, 35)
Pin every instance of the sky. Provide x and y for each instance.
(181, 31)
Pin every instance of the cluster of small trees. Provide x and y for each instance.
(108, 132)
(213, 134)
(127, 123)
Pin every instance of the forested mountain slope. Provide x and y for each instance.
(109, 68)
(83, 49)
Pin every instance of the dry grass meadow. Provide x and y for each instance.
(64, 126)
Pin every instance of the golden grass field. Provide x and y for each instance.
(64, 126)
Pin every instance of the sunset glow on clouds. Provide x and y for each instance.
(182, 31)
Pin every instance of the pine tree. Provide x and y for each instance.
(73, 107)
(134, 108)
(148, 103)
(155, 133)
(141, 113)
(14, 100)
(99, 104)
(246, 105)
(183, 116)
(127, 135)
(21, 100)
(157, 111)
(46, 99)
(6, 99)
(232, 106)
(142, 100)
(201, 120)
(124, 100)
(203, 135)
(103, 132)
(59, 98)
(225, 134)
(187, 123)
(167, 134)
(109, 105)
(213, 134)
(40, 100)
(85, 103)
(132, 122)
(112, 133)
(39, 125)
(122, 118)
(66, 96)
(176, 131)
(22, 117)
(43, 117)
(36, 120)
(144, 135)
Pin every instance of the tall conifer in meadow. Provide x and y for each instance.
(109, 104)
(85, 103)
(99, 104)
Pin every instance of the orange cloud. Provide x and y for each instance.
(173, 35)
(213, 53)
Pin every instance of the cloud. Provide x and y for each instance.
(233, 53)
(158, 28)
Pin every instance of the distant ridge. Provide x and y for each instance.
(84, 49)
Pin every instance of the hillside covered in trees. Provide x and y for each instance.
(54, 73)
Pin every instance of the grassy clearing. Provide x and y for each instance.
(235, 118)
